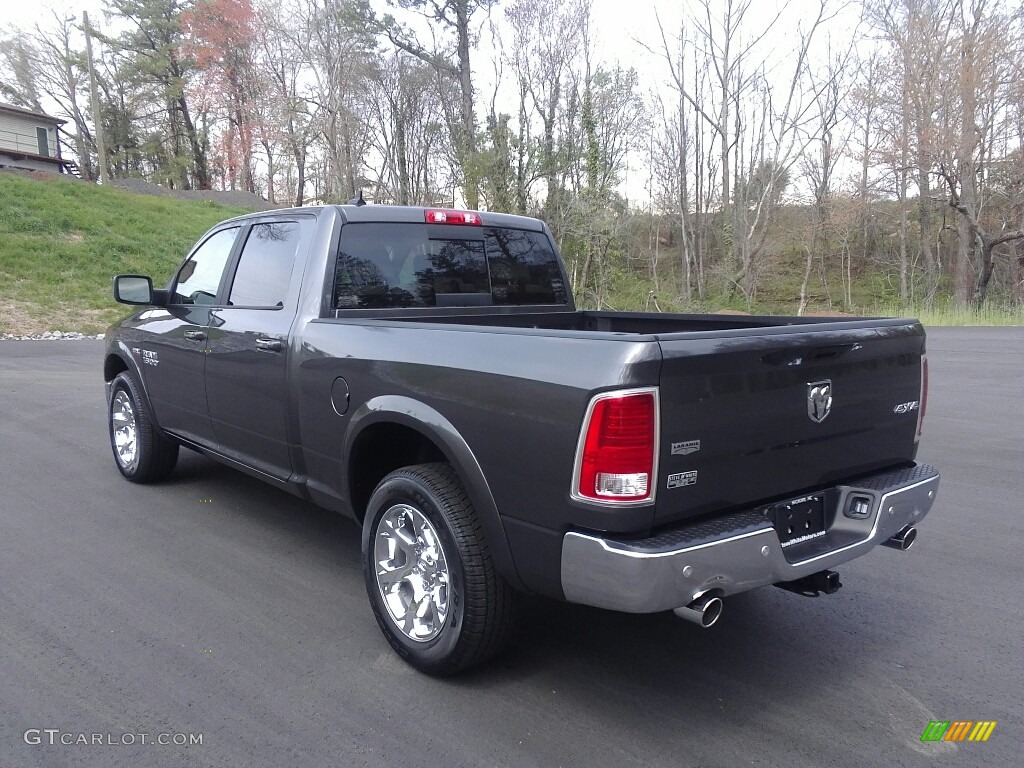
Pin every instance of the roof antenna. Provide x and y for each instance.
(357, 200)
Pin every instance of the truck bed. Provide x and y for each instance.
(737, 386)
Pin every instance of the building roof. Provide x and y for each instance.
(13, 110)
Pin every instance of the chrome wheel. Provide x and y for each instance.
(412, 572)
(122, 420)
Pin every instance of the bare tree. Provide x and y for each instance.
(988, 41)
(919, 34)
(829, 138)
(46, 61)
(415, 159)
(779, 139)
(546, 44)
(452, 17)
(337, 48)
(285, 46)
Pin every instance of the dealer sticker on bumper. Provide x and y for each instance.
(679, 479)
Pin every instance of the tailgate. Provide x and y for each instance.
(744, 416)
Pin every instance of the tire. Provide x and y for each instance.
(432, 584)
(142, 453)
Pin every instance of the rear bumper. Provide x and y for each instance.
(737, 552)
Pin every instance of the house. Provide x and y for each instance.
(28, 140)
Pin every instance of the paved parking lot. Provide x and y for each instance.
(214, 605)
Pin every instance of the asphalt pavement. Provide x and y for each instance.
(213, 608)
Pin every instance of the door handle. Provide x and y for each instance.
(269, 345)
(195, 335)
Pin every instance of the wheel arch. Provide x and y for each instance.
(422, 435)
(118, 360)
(113, 364)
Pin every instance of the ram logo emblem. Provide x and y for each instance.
(819, 400)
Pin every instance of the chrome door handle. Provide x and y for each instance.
(195, 335)
(270, 345)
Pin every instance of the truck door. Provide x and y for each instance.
(247, 357)
(172, 351)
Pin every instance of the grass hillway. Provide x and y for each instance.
(61, 241)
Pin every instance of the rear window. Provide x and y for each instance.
(420, 265)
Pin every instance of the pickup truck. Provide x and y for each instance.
(426, 373)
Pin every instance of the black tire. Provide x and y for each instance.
(480, 604)
(154, 454)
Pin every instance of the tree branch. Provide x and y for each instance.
(1007, 237)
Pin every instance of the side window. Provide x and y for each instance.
(199, 277)
(265, 267)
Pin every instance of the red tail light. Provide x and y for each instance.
(444, 216)
(923, 399)
(616, 460)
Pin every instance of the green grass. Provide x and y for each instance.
(949, 314)
(632, 292)
(62, 240)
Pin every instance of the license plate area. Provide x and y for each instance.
(799, 520)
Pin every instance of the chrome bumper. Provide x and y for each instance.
(737, 552)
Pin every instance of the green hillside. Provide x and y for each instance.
(61, 241)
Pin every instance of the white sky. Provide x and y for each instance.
(24, 15)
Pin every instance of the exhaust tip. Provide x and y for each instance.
(704, 611)
(712, 612)
(903, 540)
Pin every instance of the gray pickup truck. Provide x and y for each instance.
(426, 373)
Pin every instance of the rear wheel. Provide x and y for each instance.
(142, 453)
(430, 578)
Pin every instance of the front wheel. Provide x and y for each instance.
(430, 578)
(142, 453)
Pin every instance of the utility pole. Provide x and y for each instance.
(101, 149)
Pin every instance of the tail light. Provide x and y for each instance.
(923, 399)
(444, 216)
(616, 460)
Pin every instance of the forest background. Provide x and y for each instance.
(802, 156)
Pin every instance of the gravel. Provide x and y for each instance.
(49, 336)
(237, 198)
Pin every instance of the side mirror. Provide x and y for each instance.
(133, 289)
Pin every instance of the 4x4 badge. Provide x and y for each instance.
(819, 400)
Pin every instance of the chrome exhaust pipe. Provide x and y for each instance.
(705, 610)
(903, 540)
